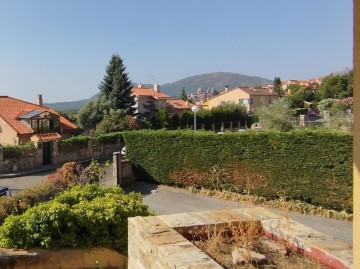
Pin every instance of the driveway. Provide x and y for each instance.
(165, 200)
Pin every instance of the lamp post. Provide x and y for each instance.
(195, 109)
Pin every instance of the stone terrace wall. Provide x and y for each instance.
(58, 157)
(156, 241)
(91, 151)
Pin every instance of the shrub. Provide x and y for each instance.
(73, 143)
(83, 217)
(13, 151)
(70, 174)
(311, 166)
(109, 138)
(25, 199)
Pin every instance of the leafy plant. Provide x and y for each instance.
(84, 217)
(13, 151)
(268, 164)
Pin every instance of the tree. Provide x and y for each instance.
(115, 94)
(92, 113)
(337, 86)
(115, 122)
(116, 86)
(302, 94)
(183, 95)
(277, 85)
(151, 114)
(163, 117)
(276, 116)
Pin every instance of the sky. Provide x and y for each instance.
(60, 49)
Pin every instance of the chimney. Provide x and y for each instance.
(187, 102)
(271, 90)
(156, 87)
(226, 88)
(139, 85)
(39, 100)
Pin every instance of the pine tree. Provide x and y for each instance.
(116, 86)
(183, 95)
(277, 85)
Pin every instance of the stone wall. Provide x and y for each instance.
(158, 241)
(58, 157)
(20, 163)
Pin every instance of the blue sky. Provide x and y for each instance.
(61, 48)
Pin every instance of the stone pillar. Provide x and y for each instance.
(213, 127)
(356, 136)
(238, 125)
(231, 125)
(303, 120)
(117, 168)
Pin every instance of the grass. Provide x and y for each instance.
(281, 203)
(224, 243)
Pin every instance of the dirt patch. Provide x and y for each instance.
(245, 246)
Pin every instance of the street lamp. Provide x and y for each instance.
(195, 109)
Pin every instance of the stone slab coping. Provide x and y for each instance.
(164, 234)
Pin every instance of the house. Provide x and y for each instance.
(246, 96)
(312, 84)
(21, 121)
(178, 106)
(146, 96)
(152, 96)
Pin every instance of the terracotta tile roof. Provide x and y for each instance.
(149, 92)
(46, 137)
(262, 91)
(178, 104)
(11, 109)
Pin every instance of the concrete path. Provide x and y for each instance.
(164, 200)
(167, 200)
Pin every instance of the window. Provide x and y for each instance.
(42, 121)
(245, 101)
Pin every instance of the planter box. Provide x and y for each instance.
(160, 241)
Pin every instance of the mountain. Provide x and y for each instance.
(216, 80)
(73, 106)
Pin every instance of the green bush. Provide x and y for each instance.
(82, 217)
(311, 166)
(68, 175)
(13, 151)
(109, 138)
(73, 143)
(25, 199)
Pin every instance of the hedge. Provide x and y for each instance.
(81, 141)
(312, 166)
(13, 151)
(82, 217)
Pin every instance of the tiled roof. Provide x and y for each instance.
(262, 91)
(178, 104)
(149, 92)
(11, 109)
(46, 137)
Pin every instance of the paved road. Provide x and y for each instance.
(167, 200)
(18, 183)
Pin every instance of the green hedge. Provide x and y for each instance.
(81, 141)
(82, 217)
(13, 151)
(312, 166)
(110, 138)
(73, 143)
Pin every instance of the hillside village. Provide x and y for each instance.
(172, 141)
